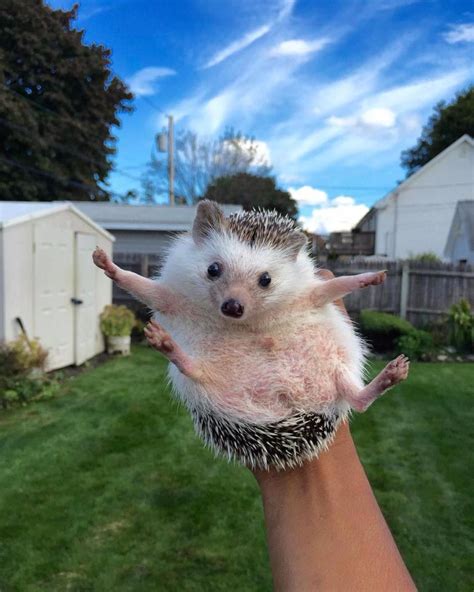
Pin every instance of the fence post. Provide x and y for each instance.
(405, 288)
(144, 265)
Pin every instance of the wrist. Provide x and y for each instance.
(327, 467)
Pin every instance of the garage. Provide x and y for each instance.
(48, 284)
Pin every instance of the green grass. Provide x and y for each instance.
(107, 488)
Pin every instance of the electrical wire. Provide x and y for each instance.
(64, 182)
(68, 150)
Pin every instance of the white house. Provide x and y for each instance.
(416, 216)
(48, 283)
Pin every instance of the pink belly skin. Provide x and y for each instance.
(250, 379)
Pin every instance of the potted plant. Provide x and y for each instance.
(116, 323)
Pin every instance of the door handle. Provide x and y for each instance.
(76, 301)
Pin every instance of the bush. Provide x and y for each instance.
(461, 322)
(427, 257)
(117, 320)
(383, 329)
(28, 353)
(17, 384)
(417, 345)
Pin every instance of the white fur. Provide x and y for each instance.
(248, 381)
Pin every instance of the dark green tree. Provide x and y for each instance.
(252, 191)
(58, 103)
(448, 123)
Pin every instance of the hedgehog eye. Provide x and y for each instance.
(214, 270)
(264, 280)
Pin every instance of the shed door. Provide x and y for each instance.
(53, 288)
(85, 296)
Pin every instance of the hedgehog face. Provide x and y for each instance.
(245, 270)
(246, 283)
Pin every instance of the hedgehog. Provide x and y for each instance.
(265, 361)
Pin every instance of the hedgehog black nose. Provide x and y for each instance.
(232, 308)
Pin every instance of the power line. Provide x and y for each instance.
(66, 182)
(122, 172)
(150, 102)
(66, 149)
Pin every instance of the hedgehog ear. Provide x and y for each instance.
(296, 241)
(209, 216)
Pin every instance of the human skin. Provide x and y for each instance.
(325, 530)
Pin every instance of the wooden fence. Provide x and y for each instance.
(418, 291)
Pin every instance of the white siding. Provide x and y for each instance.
(420, 214)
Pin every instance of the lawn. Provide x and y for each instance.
(107, 488)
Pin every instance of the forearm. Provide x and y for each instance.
(148, 291)
(336, 288)
(325, 530)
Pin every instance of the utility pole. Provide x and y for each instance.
(171, 159)
(165, 143)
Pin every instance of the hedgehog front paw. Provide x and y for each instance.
(103, 261)
(372, 279)
(395, 371)
(158, 338)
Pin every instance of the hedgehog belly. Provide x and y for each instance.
(280, 445)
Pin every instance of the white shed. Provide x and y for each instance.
(48, 280)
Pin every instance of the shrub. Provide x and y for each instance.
(427, 257)
(417, 345)
(383, 329)
(17, 384)
(461, 321)
(28, 353)
(117, 320)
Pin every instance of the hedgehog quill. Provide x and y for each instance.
(263, 359)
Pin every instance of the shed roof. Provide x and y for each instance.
(166, 218)
(18, 212)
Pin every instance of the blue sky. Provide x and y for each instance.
(333, 91)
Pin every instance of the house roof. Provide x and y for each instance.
(463, 218)
(381, 203)
(18, 212)
(115, 216)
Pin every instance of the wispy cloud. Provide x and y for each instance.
(299, 47)
(460, 33)
(284, 11)
(85, 13)
(237, 46)
(143, 82)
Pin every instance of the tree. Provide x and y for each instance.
(199, 161)
(252, 191)
(448, 123)
(58, 102)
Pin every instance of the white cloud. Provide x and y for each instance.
(459, 33)
(307, 195)
(143, 82)
(237, 46)
(378, 117)
(375, 118)
(342, 214)
(343, 200)
(299, 47)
